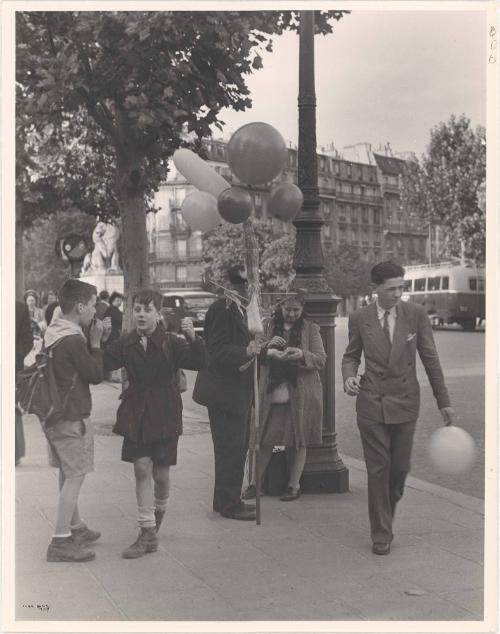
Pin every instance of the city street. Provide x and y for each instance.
(462, 359)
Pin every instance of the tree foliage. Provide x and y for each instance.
(277, 263)
(445, 186)
(138, 81)
(345, 272)
(224, 247)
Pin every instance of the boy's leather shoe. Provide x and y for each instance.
(65, 549)
(84, 535)
(147, 542)
(381, 549)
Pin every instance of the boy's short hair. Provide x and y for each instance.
(385, 271)
(104, 296)
(74, 292)
(147, 295)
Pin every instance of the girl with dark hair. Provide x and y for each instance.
(290, 390)
(115, 301)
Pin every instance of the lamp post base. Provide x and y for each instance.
(324, 477)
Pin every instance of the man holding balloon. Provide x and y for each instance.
(227, 394)
(389, 333)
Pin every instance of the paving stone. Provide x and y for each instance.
(70, 593)
(471, 600)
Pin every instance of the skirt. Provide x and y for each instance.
(278, 429)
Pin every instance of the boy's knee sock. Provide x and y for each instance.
(146, 517)
(161, 504)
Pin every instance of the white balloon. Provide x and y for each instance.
(199, 210)
(452, 450)
(199, 173)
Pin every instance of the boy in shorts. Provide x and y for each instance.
(77, 363)
(150, 413)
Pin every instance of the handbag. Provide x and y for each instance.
(280, 395)
(276, 476)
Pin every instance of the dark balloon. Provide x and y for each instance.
(256, 153)
(235, 205)
(285, 201)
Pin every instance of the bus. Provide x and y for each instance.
(451, 292)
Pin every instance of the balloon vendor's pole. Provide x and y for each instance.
(257, 441)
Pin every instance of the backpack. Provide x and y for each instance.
(37, 391)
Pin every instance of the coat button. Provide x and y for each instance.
(382, 395)
(404, 380)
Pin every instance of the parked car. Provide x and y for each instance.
(186, 302)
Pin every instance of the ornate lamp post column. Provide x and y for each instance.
(324, 471)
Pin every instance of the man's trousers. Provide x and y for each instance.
(230, 439)
(387, 451)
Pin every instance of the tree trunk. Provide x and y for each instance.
(134, 236)
(19, 258)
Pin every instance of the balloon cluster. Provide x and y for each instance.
(256, 154)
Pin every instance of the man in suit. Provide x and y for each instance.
(227, 393)
(24, 343)
(389, 333)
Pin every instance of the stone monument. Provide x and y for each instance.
(101, 266)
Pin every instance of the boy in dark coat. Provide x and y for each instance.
(150, 414)
(227, 393)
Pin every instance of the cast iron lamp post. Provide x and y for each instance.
(324, 471)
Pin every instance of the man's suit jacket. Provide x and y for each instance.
(389, 390)
(226, 336)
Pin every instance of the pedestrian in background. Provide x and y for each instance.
(35, 312)
(71, 440)
(24, 343)
(113, 311)
(389, 333)
(48, 298)
(290, 391)
(150, 413)
(102, 305)
(227, 393)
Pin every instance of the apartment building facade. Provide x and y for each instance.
(360, 201)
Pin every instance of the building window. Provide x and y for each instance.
(446, 283)
(349, 170)
(337, 167)
(376, 217)
(342, 235)
(181, 249)
(180, 274)
(364, 236)
(376, 238)
(364, 215)
(354, 236)
(327, 231)
(195, 245)
(388, 243)
(354, 215)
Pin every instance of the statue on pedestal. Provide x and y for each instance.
(104, 258)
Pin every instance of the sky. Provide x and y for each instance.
(382, 76)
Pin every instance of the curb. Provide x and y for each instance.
(469, 502)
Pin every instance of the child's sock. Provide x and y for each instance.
(146, 516)
(61, 535)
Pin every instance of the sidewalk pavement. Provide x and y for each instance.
(309, 560)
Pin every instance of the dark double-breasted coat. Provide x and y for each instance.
(151, 405)
(389, 390)
(221, 385)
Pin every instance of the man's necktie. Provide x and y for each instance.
(386, 328)
(144, 342)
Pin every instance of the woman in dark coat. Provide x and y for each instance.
(115, 301)
(290, 390)
(150, 414)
